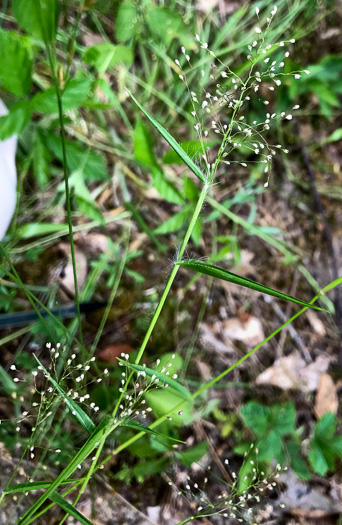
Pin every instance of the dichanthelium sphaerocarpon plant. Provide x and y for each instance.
(225, 101)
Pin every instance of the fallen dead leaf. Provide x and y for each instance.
(249, 332)
(292, 372)
(140, 239)
(96, 242)
(204, 370)
(317, 325)
(67, 277)
(245, 267)
(326, 397)
(302, 500)
(211, 341)
(206, 5)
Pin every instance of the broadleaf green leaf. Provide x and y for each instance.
(256, 417)
(165, 24)
(106, 55)
(317, 459)
(15, 63)
(91, 163)
(37, 17)
(126, 23)
(193, 454)
(173, 143)
(221, 273)
(149, 467)
(15, 121)
(174, 223)
(75, 92)
(163, 402)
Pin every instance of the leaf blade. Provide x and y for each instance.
(221, 273)
(67, 507)
(172, 142)
(184, 392)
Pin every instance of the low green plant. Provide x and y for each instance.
(277, 438)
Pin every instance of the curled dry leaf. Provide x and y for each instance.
(292, 372)
(249, 332)
(326, 397)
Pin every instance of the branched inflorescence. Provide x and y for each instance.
(239, 500)
(226, 100)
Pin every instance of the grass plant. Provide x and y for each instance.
(227, 136)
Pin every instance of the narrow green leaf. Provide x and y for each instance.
(100, 433)
(173, 143)
(174, 223)
(34, 229)
(143, 144)
(75, 409)
(163, 402)
(133, 423)
(193, 454)
(8, 384)
(126, 22)
(166, 188)
(36, 485)
(165, 24)
(193, 148)
(184, 392)
(65, 505)
(220, 273)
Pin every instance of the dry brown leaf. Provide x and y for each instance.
(326, 397)
(67, 279)
(140, 239)
(206, 5)
(245, 267)
(292, 372)
(317, 325)
(209, 340)
(250, 332)
(96, 242)
(204, 370)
